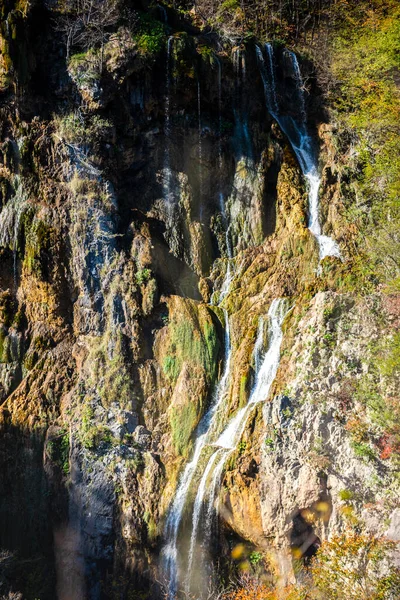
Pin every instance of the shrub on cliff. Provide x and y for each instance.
(356, 567)
(350, 566)
(149, 36)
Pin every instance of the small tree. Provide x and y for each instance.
(86, 23)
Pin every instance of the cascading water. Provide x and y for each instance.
(300, 140)
(299, 85)
(266, 369)
(170, 550)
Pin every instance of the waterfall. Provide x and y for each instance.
(175, 514)
(197, 508)
(167, 174)
(258, 346)
(228, 244)
(300, 140)
(270, 54)
(266, 369)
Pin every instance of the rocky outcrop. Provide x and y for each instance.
(308, 476)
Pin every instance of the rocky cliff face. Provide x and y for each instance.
(138, 204)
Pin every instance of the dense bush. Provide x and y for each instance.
(150, 35)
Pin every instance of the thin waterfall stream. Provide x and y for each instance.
(300, 140)
(266, 368)
(170, 550)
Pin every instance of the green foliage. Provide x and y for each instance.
(363, 450)
(38, 346)
(58, 451)
(95, 435)
(112, 376)
(366, 60)
(85, 68)
(388, 361)
(152, 528)
(270, 443)
(328, 313)
(255, 558)
(92, 434)
(136, 463)
(37, 248)
(229, 9)
(346, 495)
(189, 344)
(171, 367)
(243, 391)
(183, 420)
(375, 392)
(329, 338)
(242, 447)
(20, 321)
(73, 128)
(142, 276)
(229, 5)
(4, 354)
(193, 342)
(7, 308)
(150, 37)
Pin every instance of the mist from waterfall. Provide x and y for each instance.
(300, 140)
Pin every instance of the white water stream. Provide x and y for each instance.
(300, 140)
(170, 550)
(266, 369)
